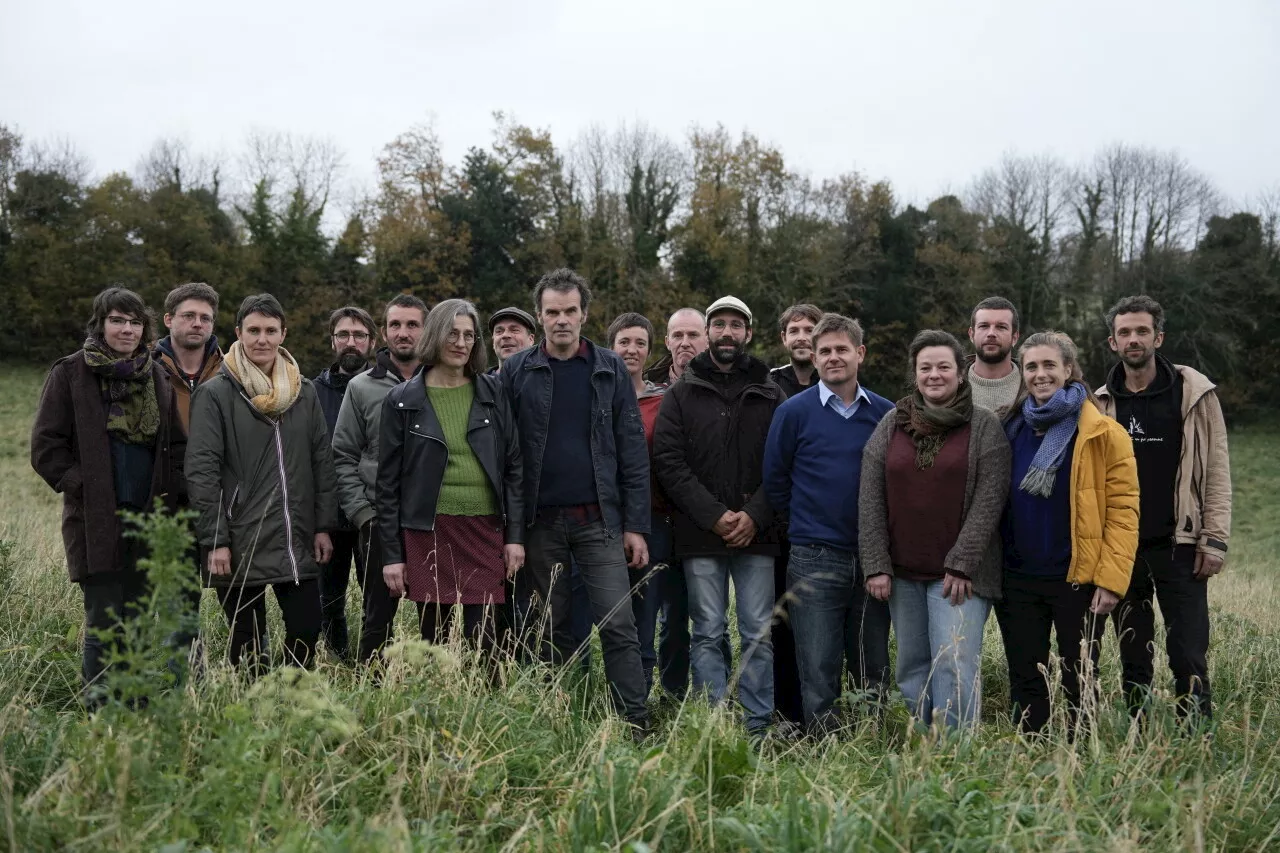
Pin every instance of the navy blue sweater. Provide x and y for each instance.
(568, 476)
(1037, 531)
(813, 467)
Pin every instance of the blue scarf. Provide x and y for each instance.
(1057, 419)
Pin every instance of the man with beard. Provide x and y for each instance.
(1180, 440)
(708, 450)
(686, 338)
(351, 333)
(796, 326)
(511, 330)
(189, 356)
(355, 459)
(993, 329)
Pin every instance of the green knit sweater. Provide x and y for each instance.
(465, 489)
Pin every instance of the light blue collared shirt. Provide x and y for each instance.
(830, 398)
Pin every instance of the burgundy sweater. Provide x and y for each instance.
(925, 508)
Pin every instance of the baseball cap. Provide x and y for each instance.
(514, 313)
(729, 303)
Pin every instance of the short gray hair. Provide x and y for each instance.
(436, 329)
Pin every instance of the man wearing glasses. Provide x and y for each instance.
(351, 334)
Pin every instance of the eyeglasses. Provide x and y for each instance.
(468, 337)
(191, 317)
(358, 337)
(118, 322)
(721, 325)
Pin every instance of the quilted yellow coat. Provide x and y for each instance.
(1104, 503)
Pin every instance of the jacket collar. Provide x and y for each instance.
(660, 373)
(703, 367)
(414, 395)
(1194, 386)
(537, 356)
(1092, 422)
(384, 366)
(165, 353)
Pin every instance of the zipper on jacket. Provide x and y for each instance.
(499, 492)
(434, 509)
(231, 504)
(284, 494)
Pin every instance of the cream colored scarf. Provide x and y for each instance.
(270, 395)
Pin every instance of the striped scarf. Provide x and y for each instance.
(1057, 419)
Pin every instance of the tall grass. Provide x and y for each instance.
(433, 757)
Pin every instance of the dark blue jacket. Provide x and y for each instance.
(619, 454)
(331, 387)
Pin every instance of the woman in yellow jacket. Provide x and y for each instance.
(1070, 528)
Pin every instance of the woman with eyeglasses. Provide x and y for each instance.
(108, 437)
(450, 509)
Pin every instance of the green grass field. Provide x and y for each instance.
(433, 758)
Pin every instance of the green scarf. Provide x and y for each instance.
(928, 426)
(129, 390)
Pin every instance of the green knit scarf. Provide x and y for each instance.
(928, 425)
(129, 390)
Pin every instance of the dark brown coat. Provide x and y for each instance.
(71, 450)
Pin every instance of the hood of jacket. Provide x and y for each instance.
(384, 366)
(208, 366)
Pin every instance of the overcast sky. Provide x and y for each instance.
(926, 94)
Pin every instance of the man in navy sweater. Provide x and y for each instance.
(586, 485)
(812, 471)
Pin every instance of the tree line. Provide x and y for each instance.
(654, 224)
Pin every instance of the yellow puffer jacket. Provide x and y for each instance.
(1104, 504)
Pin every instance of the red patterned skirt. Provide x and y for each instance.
(460, 562)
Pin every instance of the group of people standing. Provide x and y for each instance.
(574, 483)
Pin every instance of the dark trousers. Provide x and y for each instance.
(580, 619)
(555, 539)
(246, 610)
(1165, 572)
(109, 599)
(787, 699)
(1031, 609)
(648, 591)
(335, 575)
(480, 623)
(380, 605)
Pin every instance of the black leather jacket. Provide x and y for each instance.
(412, 457)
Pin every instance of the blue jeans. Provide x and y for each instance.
(673, 631)
(836, 625)
(708, 579)
(939, 651)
